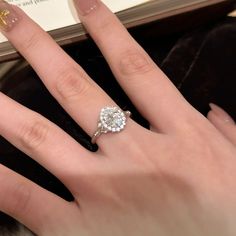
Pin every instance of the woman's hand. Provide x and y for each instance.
(178, 178)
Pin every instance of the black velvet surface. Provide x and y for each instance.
(201, 63)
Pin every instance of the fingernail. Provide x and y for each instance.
(8, 16)
(220, 113)
(84, 7)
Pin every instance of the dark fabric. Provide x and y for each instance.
(201, 63)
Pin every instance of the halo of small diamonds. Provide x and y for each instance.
(112, 119)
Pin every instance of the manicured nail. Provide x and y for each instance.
(84, 7)
(220, 113)
(8, 16)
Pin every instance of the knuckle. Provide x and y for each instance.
(72, 83)
(34, 134)
(30, 41)
(134, 63)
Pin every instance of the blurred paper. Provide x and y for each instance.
(55, 14)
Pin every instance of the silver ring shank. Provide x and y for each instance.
(96, 135)
(104, 129)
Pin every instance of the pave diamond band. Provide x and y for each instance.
(112, 119)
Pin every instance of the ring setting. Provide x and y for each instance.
(111, 119)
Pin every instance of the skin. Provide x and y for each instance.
(178, 178)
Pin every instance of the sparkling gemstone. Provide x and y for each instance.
(113, 119)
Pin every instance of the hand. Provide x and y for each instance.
(178, 178)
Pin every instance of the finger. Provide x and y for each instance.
(150, 90)
(68, 83)
(30, 204)
(223, 122)
(44, 141)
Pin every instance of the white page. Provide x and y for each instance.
(54, 14)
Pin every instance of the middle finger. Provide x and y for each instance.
(81, 97)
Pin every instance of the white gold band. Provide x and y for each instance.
(112, 119)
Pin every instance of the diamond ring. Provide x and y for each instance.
(112, 119)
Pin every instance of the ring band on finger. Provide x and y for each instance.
(111, 119)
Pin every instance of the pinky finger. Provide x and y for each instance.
(223, 122)
(30, 204)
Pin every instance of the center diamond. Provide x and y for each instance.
(113, 119)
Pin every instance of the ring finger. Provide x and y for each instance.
(146, 85)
